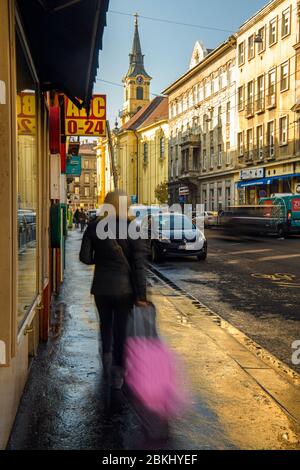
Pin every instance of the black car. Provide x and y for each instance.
(173, 234)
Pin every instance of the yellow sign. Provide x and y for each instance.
(78, 123)
(26, 117)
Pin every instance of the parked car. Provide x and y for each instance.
(206, 219)
(173, 234)
(140, 211)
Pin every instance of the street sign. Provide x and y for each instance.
(78, 123)
(73, 165)
(250, 173)
(183, 191)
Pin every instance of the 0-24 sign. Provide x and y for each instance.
(79, 124)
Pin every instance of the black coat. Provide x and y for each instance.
(112, 275)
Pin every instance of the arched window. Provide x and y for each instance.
(139, 93)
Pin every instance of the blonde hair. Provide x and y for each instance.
(113, 198)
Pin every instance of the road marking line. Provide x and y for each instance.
(244, 252)
(271, 258)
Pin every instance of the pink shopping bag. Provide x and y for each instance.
(152, 374)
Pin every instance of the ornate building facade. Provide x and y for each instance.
(202, 147)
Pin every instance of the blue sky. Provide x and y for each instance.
(167, 47)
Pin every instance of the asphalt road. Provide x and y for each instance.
(254, 283)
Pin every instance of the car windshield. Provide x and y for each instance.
(173, 222)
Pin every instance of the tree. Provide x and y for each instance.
(161, 192)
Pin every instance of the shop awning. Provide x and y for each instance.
(262, 181)
(64, 38)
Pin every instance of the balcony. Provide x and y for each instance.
(190, 174)
(271, 101)
(270, 152)
(249, 157)
(259, 154)
(190, 138)
(260, 105)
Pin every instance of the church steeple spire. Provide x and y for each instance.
(136, 81)
(136, 58)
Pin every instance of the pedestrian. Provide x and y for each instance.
(76, 218)
(119, 282)
(82, 219)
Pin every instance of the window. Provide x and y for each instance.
(273, 32)
(87, 178)
(221, 81)
(241, 57)
(212, 156)
(286, 23)
(86, 164)
(259, 142)
(250, 97)
(250, 144)
(26, 189)
(77, 190)
(220, 116)
(284, 76)
(228, 156)
(260, 102)
(228, 107)
(261, 45)
(77, 179)
(283, 130)
(241, 98)
(212, 85)
(251, 49)
(145, 152)
(272, 88)
(161, 147)
(240, 144)
(87, 192)
(139, 93)
(220, 155)
(229, 74)
(271, 138)
(204, 160)
(207, 88)
(95, 192)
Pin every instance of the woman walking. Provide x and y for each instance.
(119, 282)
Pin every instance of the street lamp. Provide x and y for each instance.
(258, 39)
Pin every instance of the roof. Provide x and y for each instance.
(160, 113)
(136, 58)
(143, 115)
(65, 38)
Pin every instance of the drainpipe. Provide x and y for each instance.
(137, 165)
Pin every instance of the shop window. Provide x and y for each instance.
(27, 188)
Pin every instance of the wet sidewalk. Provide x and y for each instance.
(239, 401)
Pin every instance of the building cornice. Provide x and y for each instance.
(259, 16)
(216, 53)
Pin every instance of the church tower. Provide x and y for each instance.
(136, 81)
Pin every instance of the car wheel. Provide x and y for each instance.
(202, 257)
(281, 232)
(155, 255)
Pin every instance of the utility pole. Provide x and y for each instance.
(111, 156)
